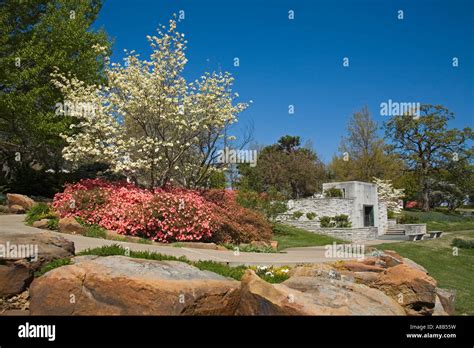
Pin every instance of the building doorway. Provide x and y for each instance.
(368, 215)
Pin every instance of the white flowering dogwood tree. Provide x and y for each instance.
(148, 122)
(389, 195)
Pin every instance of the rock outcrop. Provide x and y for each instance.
(402, 279)
(118, 285)
(385, 284)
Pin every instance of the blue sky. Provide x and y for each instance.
(299, 62)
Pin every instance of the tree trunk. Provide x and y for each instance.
(425, 197)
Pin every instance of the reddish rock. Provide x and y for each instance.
(71, 226)
(356, 266)
(391, 258)
(412, 288)
(414, 265)
(366, 277)
(43, 223)
(23, 201)
(16, 209)
(14, 276)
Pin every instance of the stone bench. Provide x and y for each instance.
(414, 232)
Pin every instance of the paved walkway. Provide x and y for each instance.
(14, 223)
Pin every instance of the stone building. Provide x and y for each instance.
(359, 201)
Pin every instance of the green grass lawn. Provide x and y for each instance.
(291, 237)
(440, 221)
(453, 272)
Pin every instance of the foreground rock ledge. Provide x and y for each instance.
(118, 285)
(25, 253)
(312, 296)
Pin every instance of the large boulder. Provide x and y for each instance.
(22, 254)
(71, 226)
(412, 288)
(19, 200)
(119, 285)
(303, 295)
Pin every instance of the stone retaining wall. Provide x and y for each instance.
(413, 229)
(350, 234)
(320, 206)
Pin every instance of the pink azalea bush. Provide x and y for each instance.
(162, 215)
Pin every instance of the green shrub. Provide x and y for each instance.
(95, 231)
(270, 203)
(311, 216)
(408, 219)
(325, 221)
(333, 192)
(247, 248)
(115, 249)
(219, 268)
(297, 214)
(463, 243)
(144, 241)
(272, 274)
(52, 265)
(341, 221)
(391, 214)
(53, 224)
(38, 212)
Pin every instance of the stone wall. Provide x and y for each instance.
(360, 234)
(383, 218)
(413, 229)
(320, 206)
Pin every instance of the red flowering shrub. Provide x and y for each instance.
(164, 215)
(235, 223)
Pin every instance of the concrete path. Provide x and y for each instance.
(15, 223)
